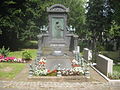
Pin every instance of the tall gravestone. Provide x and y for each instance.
(57, 37)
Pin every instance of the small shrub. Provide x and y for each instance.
(26, 55)
(4, 52)
(100, 48)
(114, 75)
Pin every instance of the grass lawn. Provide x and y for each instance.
(18, 54)
(10, 70)
(116, 68)
(30, 44)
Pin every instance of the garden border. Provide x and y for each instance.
(111, 82)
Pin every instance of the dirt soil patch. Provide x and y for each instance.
(6, 69)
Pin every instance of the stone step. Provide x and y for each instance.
(58, 57)
(49, 50)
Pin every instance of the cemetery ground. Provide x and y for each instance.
(30, 47)
(14, 76)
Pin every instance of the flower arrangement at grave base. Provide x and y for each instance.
(11, 59)
(52, 73)
(76, 70)
(40, 69)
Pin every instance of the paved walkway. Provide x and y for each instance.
(19, 85)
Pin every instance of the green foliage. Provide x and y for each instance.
(115, 4)
(18, 54)
(114, 55)
(100, 47)
(4, 52)
(116, 72)
(26, 55)
(103, 24)
(116, 68)
(0, 32)
(114, 30)
(82, 45)
(20, 20)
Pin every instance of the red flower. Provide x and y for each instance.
(9, 58)
(54, 71)
(1, 60)
(75, 65)
(1, 57)
(48, 71)
(42, 63)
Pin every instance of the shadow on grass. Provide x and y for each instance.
(30, 45)
(25, 45)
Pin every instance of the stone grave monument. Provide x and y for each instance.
(57, 41)
(57, 47)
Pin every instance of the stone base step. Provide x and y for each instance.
(49, 50)
(60, 79)
(59, 57)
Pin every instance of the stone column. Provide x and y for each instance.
(39, 47)
(75, 41)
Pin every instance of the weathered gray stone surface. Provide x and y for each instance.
(64, 60)
(53, 61)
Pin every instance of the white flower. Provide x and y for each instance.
(77, 69)
(74, 61)
(19, 60)
(45, 72)
(43, 59)
(15, 60)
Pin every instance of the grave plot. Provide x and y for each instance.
(58, 53)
